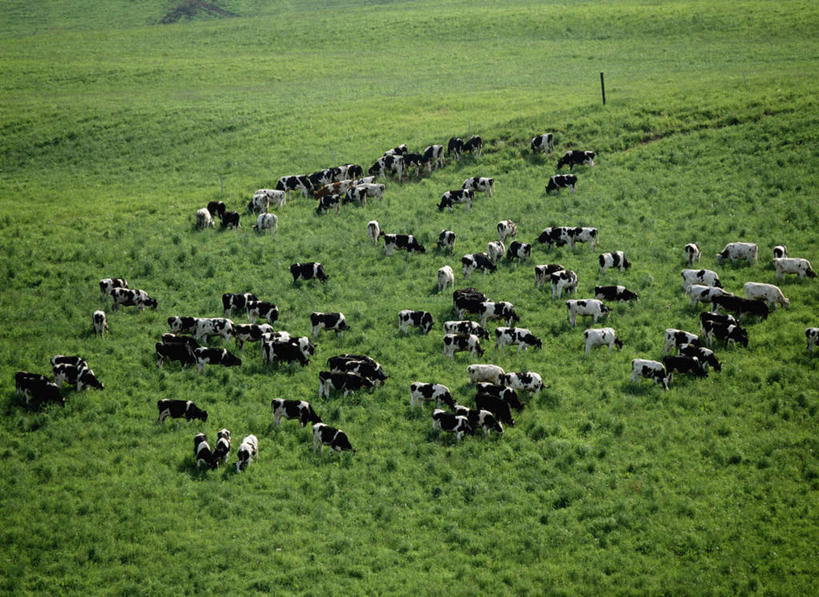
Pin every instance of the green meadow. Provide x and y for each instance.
(118, 120)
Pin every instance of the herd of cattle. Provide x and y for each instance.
(496, 390)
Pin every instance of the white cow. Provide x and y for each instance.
(445, 276)
(373, 231)
(495, 250)
(601, 337)
(705, 277)
(692, 253)
(267, 222)
(734, 251)
(203, 219)
(487, 373)
(100, 323)
(793, 265)
(767, 292)
(591, 307)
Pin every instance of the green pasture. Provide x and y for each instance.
(115, 128)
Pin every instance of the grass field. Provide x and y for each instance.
(115, 128)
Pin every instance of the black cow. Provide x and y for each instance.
(308, 271)
(455, 148)
(175, 351)
(614, 293)
(293, 409)
(346, 382)
(705, 355)
(684, 364)
(474, 144)
(561, 181)
(230, 219)
(177, 409)
(495, 405)
(741, 306)
(216, 209)
(722, 318)
(232, 301)
(575, 157)
(37, 387)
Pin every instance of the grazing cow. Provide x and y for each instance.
(400, 150)
(544, 143)
(495, 250)
(308, 271)
(334, 188)
(216, 208)
(692, 253)
(508, 395)
(188, 341)
(705, 277)
(182, 325)
(297, 183)
(614, 293)
(766, 292)
(480, 184)
(454, 343)
(650, 369)
(406, 242)
(684, 364)
(327, 203)
(174, 352)
(473, 261)
(444, 421)
(38, 388)
(108, 284)
(248, 452)
(520, 336)
(206, 327)
(740, 306)
(497, 406)
(576, 157)
(266, 222)
(434, 157)
(506, 228)
(203, 219)
(780, 251)
(322, 177)
(561, 181)
(482, 419)
(214, 356)
(445, 276)
(497, 310)
(555, 235)
(131, 298)
(467, 300)
(426, 392)
(414, 161)
(70, 374)
(581, 234)
(793, 265)
(178, 409)
(202, 454)
(373, 231)
(524, 381)
(421, 319)
(485, 372)
(388, 164)
(272, 196)
(259, 203)
(76, 361)
(601, 337)
(455, 148)
(446, 240)
(675, 338)
(812, 335)
(230, 219)
(293, 409)
(361, 192)
(717, 317)
(465, 328)
(26, 379)
(725, 333)
(335, 439)
(346, 382)
(705, 355)
(232, 301)
(474, 145)
(562, 280)
(222, 447)
(591, 307)
(262, 309)
(519, 250)
(734, 251)
(357, 363)
(87, 379)
(250, 332)
(100, 323)
(616, 259)
(543, 273)
(456, 196)
(703, 294)
(286, 350)
(328, 321)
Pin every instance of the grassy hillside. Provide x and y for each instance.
(116, 128)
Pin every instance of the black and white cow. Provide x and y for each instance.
(272, 196)
(793, 265)
(248, 452)
(179, 409)
(335, 439)
(295, 183)
(706, 277)
(721, 318)
(188, 341)
(322, 177)
(507, 394)
(308, 271)
(698, 293)
(405, 242)
(614, 293)
(222, 450)
(37, 388)
(467, 300)
(692, 253)
(497, 310)
(454, 343)
(576, 157)
(519, 250)
(266, 222)
(230, 219)
(445, 277)
(100, 323)
(374, 231)
(444, 421)
(205, 327)
(388, 164)
(555, 235)
(182, 325)
(328, 321)
(734, 251)
(131, 298)
(454, 197)
(616, 259)
(414, 161)
(601, 337)
(705, 355)
(446, 240)
(216, 208)
(214, 356)
(399, 150)
(480, 184)
(520, 336)
(499, 407)
(202, 454)
(455, 148)
(293, 409)
(262, 309)
(327, 203)
(582, 234)
(812, 336)
(434, 156)
(474, 145)
(260, 202)
(250, 332)
(543, 273)
(342, 382)
(485, 372)
(287, 351)
(79, 376)
(174, 352)
(561, 181)
(495, 250)
(108, 284)
(523, 381)
(473, 261)
(593, 308)
(232, 301)
(419, 319)
(780, 251)
(506, 228)
(684, 364)
(651, 370)
(725, 333)
(675, 338)
(426, 392)
(479, 419)
(464, 328)
(76, 361)
(361, 192)
(360, 364)
(544, 143)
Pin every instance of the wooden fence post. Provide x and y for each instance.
(603, 88)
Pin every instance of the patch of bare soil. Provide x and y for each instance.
(190, 8)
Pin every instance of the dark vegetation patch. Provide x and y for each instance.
(191, 8)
